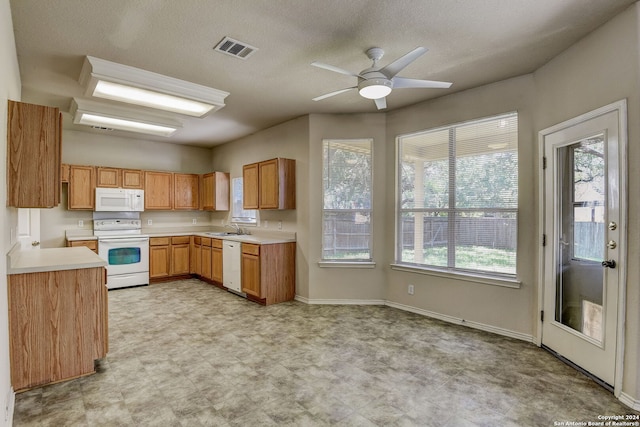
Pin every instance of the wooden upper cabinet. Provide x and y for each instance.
(215, 191)
(64, 173)
(186, 191)
(132, 178)
(158, 192)
(270, 184)
(108, 177)
(34, 140)
(82, 187)
(250, 186)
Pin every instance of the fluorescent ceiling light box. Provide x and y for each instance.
(109, 80)
(92, 113)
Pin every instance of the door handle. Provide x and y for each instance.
(609, 263)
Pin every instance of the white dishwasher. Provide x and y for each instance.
(231, 259)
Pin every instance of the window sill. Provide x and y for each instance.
(467, 277)
(346, 264)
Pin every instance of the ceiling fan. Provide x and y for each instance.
(377, 82)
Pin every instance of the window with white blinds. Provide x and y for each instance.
(346, 213)
(458, 197)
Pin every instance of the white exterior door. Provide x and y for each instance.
(584, 225)
(29, 228)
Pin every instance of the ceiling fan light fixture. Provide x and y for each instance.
(374, 88)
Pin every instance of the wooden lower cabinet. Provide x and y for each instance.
(205, 257)
(196, 255)
(169, 257)
(216, 260)
(58, 325)
(268, 272)
(159, 257)
(179, 258)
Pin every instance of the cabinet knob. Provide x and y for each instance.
(35, 243)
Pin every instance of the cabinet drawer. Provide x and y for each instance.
(216, 243)
(91, 244)
(206, 241)
(251, 249)
(180, 240)
(158, 241)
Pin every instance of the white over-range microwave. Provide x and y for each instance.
(119, 200)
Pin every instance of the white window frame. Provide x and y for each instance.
(486, 277)
(348, 262)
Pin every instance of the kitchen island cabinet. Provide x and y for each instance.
(268, 272)
(58, 315)
(34, 142)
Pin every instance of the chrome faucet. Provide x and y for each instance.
(235, 227)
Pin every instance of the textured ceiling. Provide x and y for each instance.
(470, 42)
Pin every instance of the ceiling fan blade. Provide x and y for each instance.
(334, 69)
(402, 82)
(337, 92)
(381, 103)
(399, 64)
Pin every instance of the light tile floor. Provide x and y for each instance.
(185, 353)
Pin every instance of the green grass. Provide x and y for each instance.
(468, 257)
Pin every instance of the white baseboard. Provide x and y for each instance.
(321, 301)
(629, 401)
(476, 325)
(8, 417)
(432, 314)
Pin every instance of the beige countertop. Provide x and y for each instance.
(258, 237)
(52, 259)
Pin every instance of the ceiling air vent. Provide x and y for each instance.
(235, 48)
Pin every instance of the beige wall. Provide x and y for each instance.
(601, 69)
(347, 284)
(288, 140)
(9, 89)
(498, 307)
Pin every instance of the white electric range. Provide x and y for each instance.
(123, 246)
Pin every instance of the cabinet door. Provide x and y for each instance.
(269, 184)
(158, 192)
(250, 186)
(82, 187)
(206, 262)
(250, 271)
(132, 179)
(64, 173)
(208, 188)
(215, 191)
(159, 258)
(186, 191)
(107, 177)
(33, 155)
(216, 264)
(179, 259)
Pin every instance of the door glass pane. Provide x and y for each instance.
(581, 192)
(121, 256)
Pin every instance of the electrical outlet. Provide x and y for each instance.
(279, 225)
(410, 289)
(149, 222)
(194, 221)
(80, 223)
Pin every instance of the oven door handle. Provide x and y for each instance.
(123, 240)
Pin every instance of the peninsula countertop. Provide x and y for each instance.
(52, 259)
